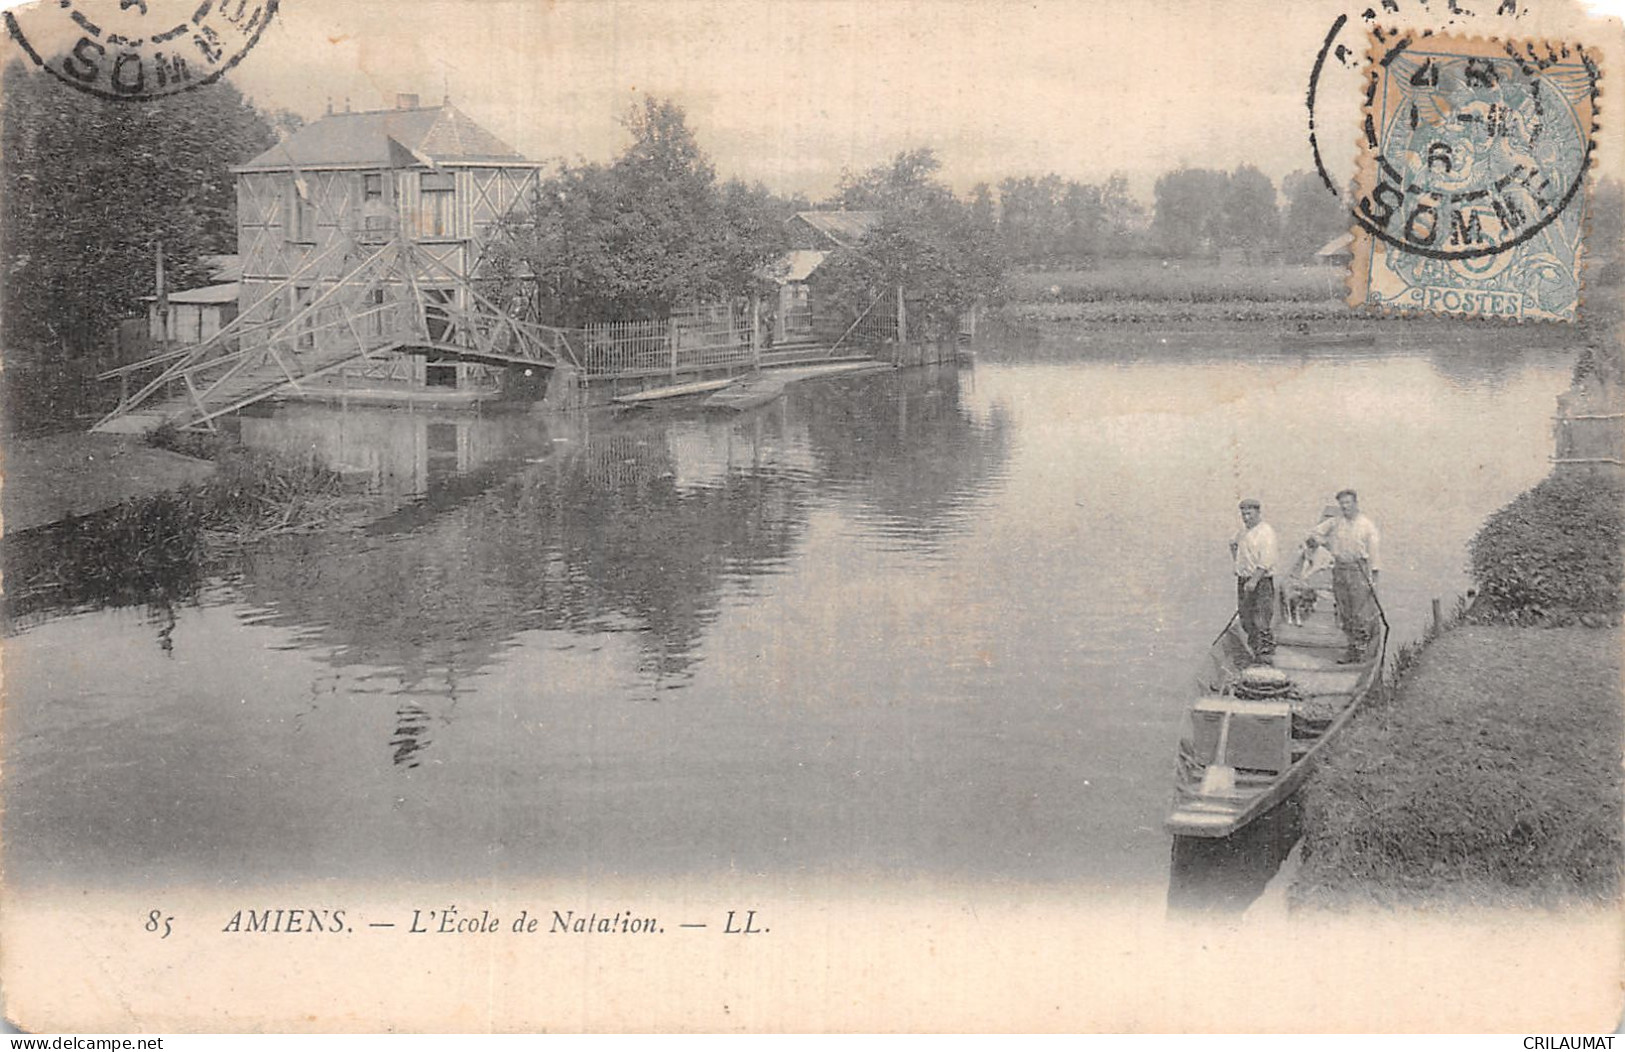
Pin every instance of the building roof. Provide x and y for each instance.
(395, 138)
(844, 228)
(207, 295)
(1342, 244)
(227, 267)
(795, 265)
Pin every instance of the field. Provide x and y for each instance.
(1147, 280)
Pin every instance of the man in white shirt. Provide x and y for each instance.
(1256, 554)
(1352, 539)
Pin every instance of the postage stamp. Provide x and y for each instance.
(1470, 193)
(142, 49)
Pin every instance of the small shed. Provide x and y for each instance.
(194, 314)
(792, 320)
(1337, 252)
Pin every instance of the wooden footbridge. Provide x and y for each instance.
(348, 306)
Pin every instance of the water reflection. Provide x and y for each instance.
(402, 453)
(899, 624)
(641, 526)
(1475, 365)
(1226, 874)
(907, 451)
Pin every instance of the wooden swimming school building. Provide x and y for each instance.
(361, 240)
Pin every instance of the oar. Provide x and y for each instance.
(1225, 629)
(1382, 654)
(1220, 779)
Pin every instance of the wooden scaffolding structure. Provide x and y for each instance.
(380, 303)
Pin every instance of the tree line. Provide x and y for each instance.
(90, 187)
(1048, 221)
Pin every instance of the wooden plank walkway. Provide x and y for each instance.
(770, 384)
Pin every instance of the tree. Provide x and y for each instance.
(1187, 219)
(1048, 221)
(91, 187)
(1083, 221)
(1123, 218)
(1200, 210)
(1313, 215)
(649, 231)
(907, 177)
(1249, 217)
(928, 243)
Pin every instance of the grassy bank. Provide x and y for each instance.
(159, 547)
(1492, 778)
(1147, 296)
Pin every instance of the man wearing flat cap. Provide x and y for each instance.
(1256, 554)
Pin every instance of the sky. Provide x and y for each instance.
(792, 93)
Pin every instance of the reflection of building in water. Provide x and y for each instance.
(397, 452)
(595, 538)
(643, 527)
(703, 453)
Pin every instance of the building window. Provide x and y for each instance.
(375, 216)
(306, 325)
(374, 306)
(434, 209)
(299, 215)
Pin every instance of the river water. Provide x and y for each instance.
(936, 624)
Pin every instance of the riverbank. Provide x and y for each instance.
(49, 478)
(1491, 779)
(143, 537)
(1294, 304)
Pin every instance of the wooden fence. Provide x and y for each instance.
(692, 339)
(1594, 441)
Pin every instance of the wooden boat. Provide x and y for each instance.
(1255, 731)
(661, 394)
(1300, 341)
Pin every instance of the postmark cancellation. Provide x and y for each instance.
(138, 50)
(1469, 197)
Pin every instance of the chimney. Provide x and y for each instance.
(406, 101)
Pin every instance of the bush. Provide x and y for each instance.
(187, 443)
(255, 491)
(1554, 551)
(156, 549)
